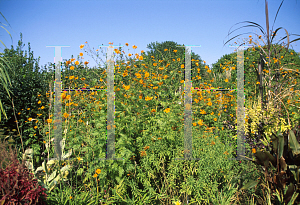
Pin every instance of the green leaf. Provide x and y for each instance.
(51, 176)
(95, 133)
(50, 162)
(80, 171)
(68, 154)
(99, 125)
(293, 143)
(250, 185)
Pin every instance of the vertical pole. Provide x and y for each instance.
(188, 138)
(110, 106)
(240, 105)
(57, 104)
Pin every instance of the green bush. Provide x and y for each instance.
(28, 95)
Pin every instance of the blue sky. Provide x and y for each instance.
(190, 22)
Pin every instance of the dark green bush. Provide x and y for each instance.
(29, 86)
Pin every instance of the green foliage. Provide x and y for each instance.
(176, 73)
(284, 160)
(223, 69)
(251, 59)
(143, 139)
(27, 84)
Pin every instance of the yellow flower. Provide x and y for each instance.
(98, 171)
(81, 54)
(28, 108)
(200, 122)
(39, 102)
(127, 87)
(42, 107)
(167, 110)
(81, 46)
(49, 120)
(253, 150)
(95, 175)
(70, 197)
(66, 115)
(35, 127)
(72, 67)
(29, 119)
(76, 62)
(177, 203)
(19, 113)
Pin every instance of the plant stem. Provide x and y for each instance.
(17, 123)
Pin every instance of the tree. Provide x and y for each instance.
(159, 52)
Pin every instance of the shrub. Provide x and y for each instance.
(29, 99)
